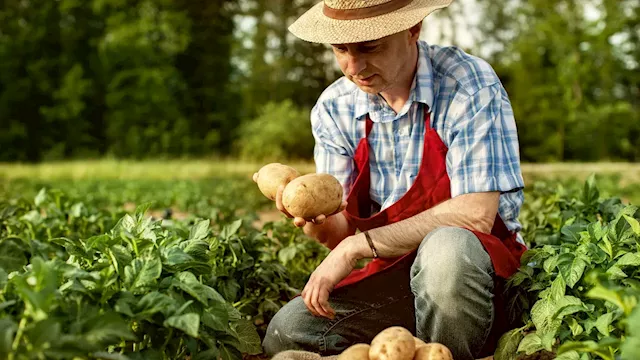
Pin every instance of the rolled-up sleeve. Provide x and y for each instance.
(332, 153)
(483, 143)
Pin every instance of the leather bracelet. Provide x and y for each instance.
(373, 249)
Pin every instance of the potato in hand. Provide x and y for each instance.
(272, 176)
(311, 195)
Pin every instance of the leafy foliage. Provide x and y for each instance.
(76, 281)
(579, 286)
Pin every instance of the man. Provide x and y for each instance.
(424, 142)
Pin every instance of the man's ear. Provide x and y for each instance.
(415, 31)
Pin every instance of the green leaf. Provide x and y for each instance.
(575, 327)
(189, 284)
(630, 349)
(569, 355)
(229, 353)
(558, 288)
(635, 225)
(508, 345)
(629, 259)
(568, 305)
(211, 354)
(248, 337)
(200, 230)
(40, 198)
(615, 273)
(602, 293)
(571, 268)
(107, 329)
(7, 330)
(287, 254)
(606, 246)
(542, 315)
(530, 344)
(216, 317)
(603, 323)
(12, 257)
(4, 277)
(571, 233)
(141, 273)
(596, 231)
(579, 346)
(231, 229)
(175, 256)
(189, 323)
(155, 302)
(109, 356)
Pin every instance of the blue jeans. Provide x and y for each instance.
(444, 295)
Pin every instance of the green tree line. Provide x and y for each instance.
(173, 78)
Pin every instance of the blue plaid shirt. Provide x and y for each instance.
(470, 111)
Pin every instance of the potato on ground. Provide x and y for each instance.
(271, 176)
(394, 343)
(355, 352)
(311, 195)
(433, 351)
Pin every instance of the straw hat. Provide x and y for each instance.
(350, 21)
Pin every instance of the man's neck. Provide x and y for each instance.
(398, 95)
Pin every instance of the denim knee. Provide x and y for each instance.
(290, 329)
(445, 257)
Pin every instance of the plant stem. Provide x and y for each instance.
(16, 341)
(166, 342)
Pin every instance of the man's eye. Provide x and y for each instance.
(369, 48)
(340, 49)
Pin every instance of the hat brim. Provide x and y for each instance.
(314, 26)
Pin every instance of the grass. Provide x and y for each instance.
(202, 169)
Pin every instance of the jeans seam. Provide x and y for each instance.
(492, 311)
(332, 324)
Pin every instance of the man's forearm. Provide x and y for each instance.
(335, 229)
(472, 211)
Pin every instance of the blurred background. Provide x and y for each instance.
(141, 79)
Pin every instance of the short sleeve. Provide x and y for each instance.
(332, 153)
(483, 144)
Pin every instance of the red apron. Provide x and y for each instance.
(430, 188)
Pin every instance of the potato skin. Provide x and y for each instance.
(419, 342)
(271, 176)
(394, 343)
(355, 352)
(433, 351)
(311, 195)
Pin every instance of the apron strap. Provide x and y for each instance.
(369, 126)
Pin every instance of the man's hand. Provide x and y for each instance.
(333, 269)
(301, 222)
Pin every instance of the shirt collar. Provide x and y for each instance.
(421, 89)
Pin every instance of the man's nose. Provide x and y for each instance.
(355, 64)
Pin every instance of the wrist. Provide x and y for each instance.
(357, 247)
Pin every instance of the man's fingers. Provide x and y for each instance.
(315, 302)
(307, 302)
(323, 299)
(319, 220)
(279, 204)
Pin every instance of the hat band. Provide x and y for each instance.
(363, 13)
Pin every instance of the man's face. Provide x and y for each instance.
(377, 66)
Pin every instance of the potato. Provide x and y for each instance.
(433, 351)
(271, 176)
(394, 343)
(355, 352)
(311, 195)
(419, 342)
